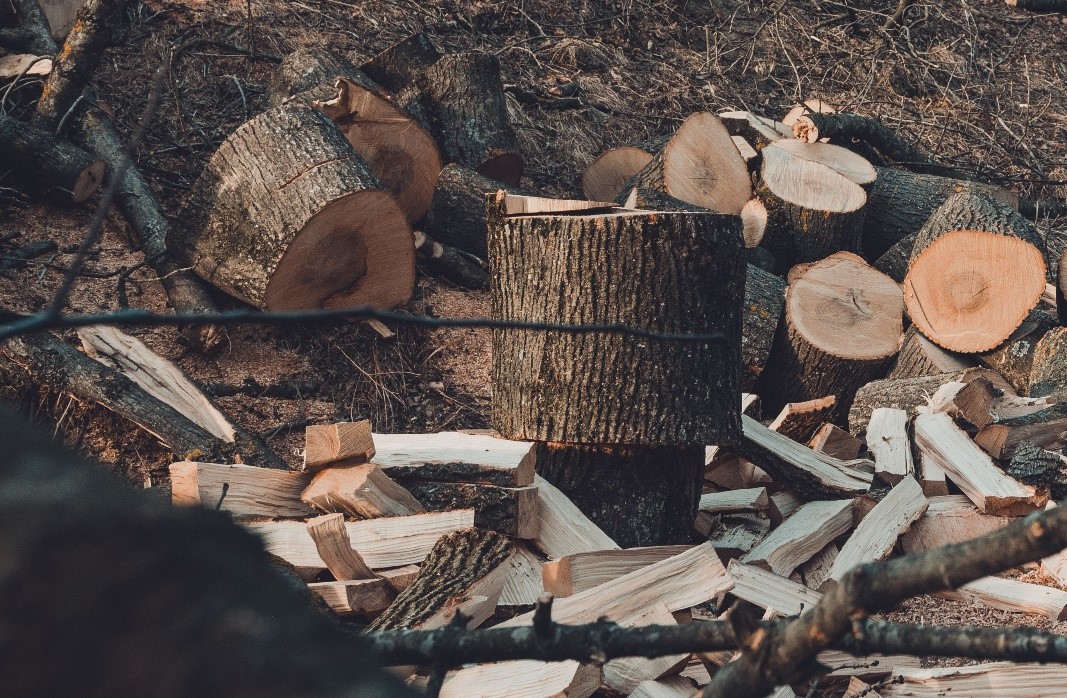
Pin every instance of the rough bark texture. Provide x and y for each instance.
(309, 68)
(86, 554)
(894, 262)
(32, 35)
(457, 561)
(900, 202)
(457, 215)
(920, 357)
(762, 311)
(461, 97)
(903, 393)
(1037, 467)
(501, 509)
(398, 65)
(1048, 371)
(796, 234)
(48, 167)
(638, 495)
(1014, 358)
(666, 272)
(286, 216)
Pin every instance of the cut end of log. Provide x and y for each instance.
(604, 178)
(89, 181)
(701, 166)
(754, 220)
(816, 176)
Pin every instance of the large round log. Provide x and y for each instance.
(398, 65)
(667, 272)
(48, 167)
(762, 311)
(605, 177)
(920, 357)
(843, 325)
(461, 98)
(976, 272)
(287, 216)
(699, 165)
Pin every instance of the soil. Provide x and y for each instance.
(975, 82)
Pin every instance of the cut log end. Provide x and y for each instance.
(605, 177)
(701, 166)
(754, 220)
(89, 181)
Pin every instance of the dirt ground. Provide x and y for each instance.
(975, 82)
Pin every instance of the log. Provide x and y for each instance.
(1012, 595)
(761, 314)
(1037, 467)
(754, 218)
(769, 590)
(876, 535)
(900, 202)
(887, 439)
(344, 443)
(1048, 369)
(334, 547)
(450, 456)
(920, 357)
(47, 167)
(784, 503)
(976, 272)
(836, 442)
(461, 97)
(32, 34)
(508, 510)
(803, 535)
(562, 527)
(972, 470)
(461, 564)
(308, 68)
(842, 327)
(461, 268)
(810, 106)
(1047, 429)
(814, 475)
(363, 491)
(949, 519)
(894, 263)
(734, 501)
(973, 403)
(699, 165)
(242, 490)
(396, 67)
(799, 420)
(991, 680)
(605, 177)
(572, 574)
(679, 397)
(898, 393)
(287, 223)
(1015, 357)
(357, 597)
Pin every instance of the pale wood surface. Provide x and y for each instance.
(526, 678)
(816, 176)
(815, 571)
(751, 499)
(562, 528)
(580, 571)
(871, 668)
(345, 443)
(887, 439)
(623, 675)
(523, 583)
(363, 490)
(250, 491)
(355, 597)
(1013, 595)
(517, 205)
(949, 519)
(334, 547)
(992, 680)
(456, 457)
(932, 478)
(769, 590)
(801, 536)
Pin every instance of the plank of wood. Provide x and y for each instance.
(345, 443)
(525, 678)
(581, 571)
(887, 439)
(512, 511)
(949, 519)
(389, 542)
(799, 420)
(801, 536)
(992, 680)
(972, 469)
(242, 490)
(623, 675)
(523, 583)
(836, 442)
(562, 527)
(451, 456)
(335, 548)
(876, 535)
(769, 590)
(355, 597)
(732, 501)
(362, 490)
(1012, 595)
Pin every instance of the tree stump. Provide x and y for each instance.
(761, 313)
(843, 325)
(605, 177)
(287, 216)
(976, 272)
(602, 397)
(46, 166)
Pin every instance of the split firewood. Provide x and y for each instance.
(363, 491)
(523, 584)
(326, 210)
(455, 265)
(812, 356)
(757, 130)
(575, 573)
(605, 177)
(47, 167)
(783, 504)
(801, 536)
(762, 311)
(1038, 467)
(345, 443)
(799, 420)
(906, 394)
(887, 439)
(699, 165)
(858, 688)
(747, 152)
(1014, 358)
(388, 542)
(355, 597)
(1048, 371)
(334, 547)
(876, 535)
(1013, 595)
(523, 205)
(814, 573)
(769, 590)
(972, 470)
(810, 473)
(733, 535)
(461, 98)
(567, 679)
(562, 528)
(508, 510)
(455, 457)
(976, 272)
(974, 403)
(991, 680)
(242, 490)
(949, 519)
(395, 67)
(1047, 428)
(462, 565)
(734, 501)
(920, 357)
(624, 675)
(836, 442)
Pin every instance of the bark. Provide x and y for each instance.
(33, 34)
(456, 266)
(46, 166)
(506, 510)
(1048, 371)
(763, 258)
(899, 393)
(1037, 467)
(287, 216)
(1014, 358)
(313, 69)
(94, 31)
(795, 234)
(671, 272)
(56, 364)
(125, 632)
(920, 357)
(977, 270)
(396, 67)
(762, 311)
(894, 262)
(638, 495)
(461, 98)
(1061, 282)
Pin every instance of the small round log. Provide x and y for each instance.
(762, 311)
(1015, 357)
(843, 325)
(461, 98)
(699, 165)
(976, 272)
(287, 216)
(606, 176)
(920, 357)
(1048, 370)
(46, 166)
(395, 67)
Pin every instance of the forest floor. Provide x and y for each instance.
(975, 82)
